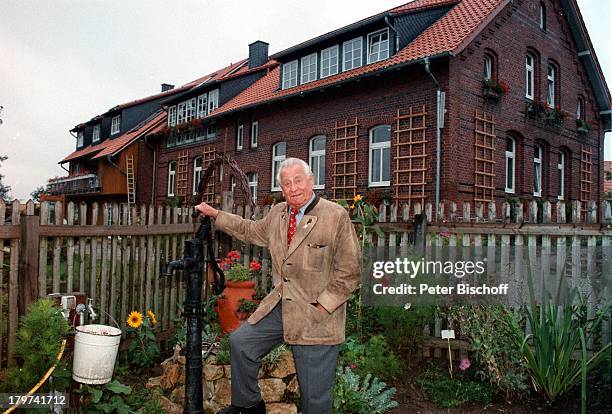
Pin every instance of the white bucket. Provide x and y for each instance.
(95, 351)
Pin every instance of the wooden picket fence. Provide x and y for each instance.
(116, 264)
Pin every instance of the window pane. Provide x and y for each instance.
(381, 134)
(280, 149)
(509, 173)
(509, 145)
(376, 165)
(318, 144)
(386, 160)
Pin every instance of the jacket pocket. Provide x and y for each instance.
(315, 256)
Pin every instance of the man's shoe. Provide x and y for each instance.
(260, 408)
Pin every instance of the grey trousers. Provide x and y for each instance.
(315, 365)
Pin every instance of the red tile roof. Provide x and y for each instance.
(113, 146)
(447, 35)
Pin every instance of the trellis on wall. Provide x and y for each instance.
(344, 165)
(409, 156)
(585, 177)
(182, 174)
(484, 157)
(208, 155)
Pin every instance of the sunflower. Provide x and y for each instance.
(152, 317)
(135, 319)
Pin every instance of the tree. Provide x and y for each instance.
(4, 189)
(37, 193)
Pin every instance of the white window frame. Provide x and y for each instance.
(211, 131)
(80, 138)
(171, 178)
(381, 53)
(510, 158)
(561, 170)
(240, 137)
(488, 67)
(202, 105)
(197, 173)
(319, 155)
(252, 178)
(116, 124)
(542, 16)
(290, 74)
(529, 76)
(254, 133)
(276, 160)
(95, 134)
(550, 85)
(372, 148)
(190, 109)
(180, 113)
(329, 67)
(172, 116)
(580, 108)
(354, 57)
(537, 170)
(213, 100)
(309, 68)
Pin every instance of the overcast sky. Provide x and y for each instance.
(62, 62)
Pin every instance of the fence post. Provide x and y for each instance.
(420, 227)
(28, 269)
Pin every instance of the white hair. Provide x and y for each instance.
(291, 162)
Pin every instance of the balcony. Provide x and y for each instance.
(79, 184)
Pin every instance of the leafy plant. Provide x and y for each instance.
(448, 393)
(237, 272)
(246, 306)
(372, 356)
(403, 328)
(353, 396)
(493, 333)
(274, 357)
(583, 125)
(144, 349)
(499, 87)
(557, 331)
(38, 343)
(106, 398)
(223, 351)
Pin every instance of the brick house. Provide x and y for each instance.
(512, 90)
(607, 187)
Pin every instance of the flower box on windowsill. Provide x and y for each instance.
(491, 95)
(582, 127)
(535, 109)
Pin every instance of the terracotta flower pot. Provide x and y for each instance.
(228, 307)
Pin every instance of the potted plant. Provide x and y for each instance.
(245, 309)
(494, 89)
(240, 284)
(582, 126)
(556, 116)
(535, 109)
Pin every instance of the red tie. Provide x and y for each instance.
(291, 229)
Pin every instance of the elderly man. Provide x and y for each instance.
(316, 262)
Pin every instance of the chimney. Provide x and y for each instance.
(166, 87)
(258, 54)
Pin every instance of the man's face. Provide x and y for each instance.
(296, 185)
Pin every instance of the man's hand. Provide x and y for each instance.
(207, 210)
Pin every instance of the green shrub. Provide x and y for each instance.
(274, 357)
(493, 333)
(106, 398)
(38, 343)
(223, 351)
(403, 328)
(370, 396)
(373, 356)
(449, 393)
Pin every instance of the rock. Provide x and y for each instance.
(178, 395)
(228, 371)
(293, 385)
(171, 376)
(272, 389)
(285, 367)
(211, 407)
(213, 372)
(281, 408)
(262, 373)
(223, 392)
(154, 382)
(209, 389)
(169, 407)
(181, 379)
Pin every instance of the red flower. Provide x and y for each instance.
(353, 366)
(227, 260)
(233, 255)
(504, 86)
(254, 266)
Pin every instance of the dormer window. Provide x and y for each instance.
(290, 74)
(180, 113)
(309, 68)
(351, 54)
(202, 103)
(378, 45)
(95, 137)
(116, 125)
(80, 140)
(172, 116)
(329, 61)
(213, 100)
